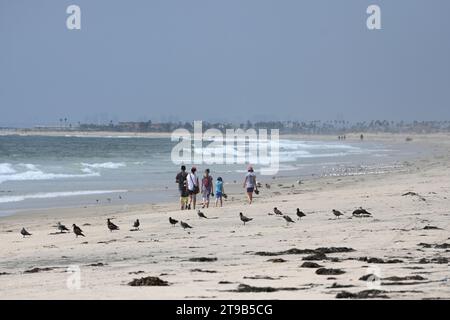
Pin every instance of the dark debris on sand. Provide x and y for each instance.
(438, 260)
(336, 285)
(203, 259)
(136, 272)
(316, 257)
(435, 246)
(431, 228)
(365, 294)
(261, 278)
(369, 277)
(98, 264)
(279, 253)
(277, 260)
(379, 260)
(202, 270)
(395, 278)
(308, 264)
(36, 270)
(148, 281)
(247, 288)
(322, 250)
(329, 271)
(334, 250)
(414, 194)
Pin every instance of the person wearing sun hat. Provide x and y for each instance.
(250, 183)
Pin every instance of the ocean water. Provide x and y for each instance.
(42, 172)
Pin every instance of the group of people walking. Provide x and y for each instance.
(189, 185)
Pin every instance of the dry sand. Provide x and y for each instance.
(400, 232)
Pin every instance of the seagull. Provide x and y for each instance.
(77, 230)
(288, 219)
(120, 197)
(201, 214)
(267, 186)
(136, 224)
(244, 219)
(109, 199)
(277, 212)
(112, 226)
(184, 225)
(61, 227)
(337, 213)
(173, 222)
(361, 213)
(96, 200)
(300, 214)
(24, 232)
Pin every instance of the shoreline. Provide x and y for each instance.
(352, 136)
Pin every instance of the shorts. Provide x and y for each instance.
(206, 194)
(192, 192)
(184, 200)
(218, 195)
(250, 190)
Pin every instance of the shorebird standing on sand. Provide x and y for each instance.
(77, 230)
(173, 222)
(136, 224)
(288, 219)
(201, 214)
(61, 227)
(300, 214)
(277, 212)
(111, 226)
(244, 219)
(184, 225)
(24, 232)
(337, 213)
(361, 213)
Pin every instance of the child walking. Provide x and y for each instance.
(219, 191)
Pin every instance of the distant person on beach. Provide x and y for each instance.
(207, 188)
(361, 137)
(219, 191)
(250, 183)
(182, 187)
(193, 187)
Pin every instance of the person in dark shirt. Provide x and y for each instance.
(182, 187)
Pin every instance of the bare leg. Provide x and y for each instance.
(250, 197)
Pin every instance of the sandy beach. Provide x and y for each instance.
(401, 252)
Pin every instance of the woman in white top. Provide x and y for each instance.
(193, 187)
(250, 183)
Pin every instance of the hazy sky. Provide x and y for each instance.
(223, 60)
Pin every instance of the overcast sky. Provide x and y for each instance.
(226, 60)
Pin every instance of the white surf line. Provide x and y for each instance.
(49, 195)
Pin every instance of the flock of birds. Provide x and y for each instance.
(360, 213)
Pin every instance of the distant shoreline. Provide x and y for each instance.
(381, 136)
